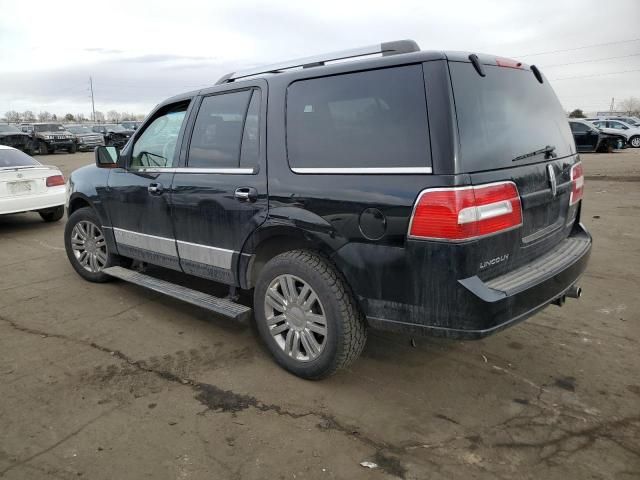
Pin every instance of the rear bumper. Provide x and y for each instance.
(474, 308)
(28, 203)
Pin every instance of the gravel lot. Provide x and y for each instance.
(115, 382)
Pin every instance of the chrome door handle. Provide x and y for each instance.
(155, 188)
(246, 194)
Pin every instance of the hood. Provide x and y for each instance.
(13, 134)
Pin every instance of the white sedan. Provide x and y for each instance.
(28, 186)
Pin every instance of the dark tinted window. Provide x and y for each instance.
(505, 115)
(251, 135)
(217, 133)
(15, 158)
(368, 119)
(579, 127)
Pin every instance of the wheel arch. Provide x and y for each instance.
(78, 201)
(273, 239)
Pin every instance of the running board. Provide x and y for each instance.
(221, 306)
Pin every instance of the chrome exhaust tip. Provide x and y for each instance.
(574, 292)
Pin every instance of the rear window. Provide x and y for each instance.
(506, 115)
(15, 158)
(368, 119)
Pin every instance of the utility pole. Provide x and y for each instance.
(93, 105)
(611, 106)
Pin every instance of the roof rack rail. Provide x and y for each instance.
(387, 48)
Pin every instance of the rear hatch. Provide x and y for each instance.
(512, 128)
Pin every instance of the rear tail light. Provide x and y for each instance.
(464, 213)
(577, 184)
(55, 181)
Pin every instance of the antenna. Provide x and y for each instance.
(93, 105)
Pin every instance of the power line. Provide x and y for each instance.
(577, 48)
(595, 75)
(589, 61)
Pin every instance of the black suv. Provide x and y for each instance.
(114, 135)
(424, 192)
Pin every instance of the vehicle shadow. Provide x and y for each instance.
(24, 222)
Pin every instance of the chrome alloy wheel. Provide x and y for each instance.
(295, 318)
(89, 246)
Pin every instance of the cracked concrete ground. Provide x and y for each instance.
(113, 381)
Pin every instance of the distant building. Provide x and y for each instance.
(610, 114)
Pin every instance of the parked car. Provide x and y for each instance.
(633, 121)
(12, 136)
(86, 139)
(330, 195)
(131, 124)
(114, 135)
(631, 133)
(26, 185)
(47, 138)
(589, 138)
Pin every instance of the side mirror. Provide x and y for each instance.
(106, 157)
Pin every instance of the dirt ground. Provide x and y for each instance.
(115, 382)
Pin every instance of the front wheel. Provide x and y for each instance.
(87, 248)
(635, 141)
(307, 316)
(43, 148)
(73, 148)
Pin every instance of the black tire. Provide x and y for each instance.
(635, 141)
(52, 214)
(346, 329)
(73, 148)
(87, 214)
(43, 148)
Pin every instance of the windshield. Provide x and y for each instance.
(9, 129)
(10, 157)
(79, 130)
(506, 115)
(116, 128)
(49, 127)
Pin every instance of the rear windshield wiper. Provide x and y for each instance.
(548, 153)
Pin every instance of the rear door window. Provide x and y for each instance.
(372, 119)
(226, 131)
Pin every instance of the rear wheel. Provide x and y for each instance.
(307, 316)
(52, 214)
(635, 141)
(87, 248)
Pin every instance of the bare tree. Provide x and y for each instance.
(99, 116)
(12, 116)
(630, 105)
(80, 117)
(113, 116)
(28, 116)
(140, 116)
(44, 116)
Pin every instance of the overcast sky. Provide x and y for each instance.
(139, 53)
